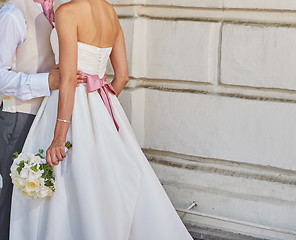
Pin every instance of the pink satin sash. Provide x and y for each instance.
(94, 82)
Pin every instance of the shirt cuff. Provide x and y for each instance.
(39, 85)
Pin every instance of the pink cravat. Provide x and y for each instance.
(47, 6)
(94, 82)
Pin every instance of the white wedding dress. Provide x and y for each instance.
(106, 190)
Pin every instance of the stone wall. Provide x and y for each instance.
(212, 102)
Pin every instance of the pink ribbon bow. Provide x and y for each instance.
(94, 82)
(47, 6)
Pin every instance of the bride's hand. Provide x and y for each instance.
(56, 152)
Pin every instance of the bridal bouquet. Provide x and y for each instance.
(32, 175)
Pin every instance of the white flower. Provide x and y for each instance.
(44, 192)
(33, 185)
(24, 173)
(33, 175)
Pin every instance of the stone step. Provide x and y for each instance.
(204, 233)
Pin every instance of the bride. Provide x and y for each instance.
(106, 188)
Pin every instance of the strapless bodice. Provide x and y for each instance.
(91, 59)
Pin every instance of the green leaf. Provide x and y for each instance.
(16, 154)
(47, 171)
(52, 188)
(34, 168)
(21, 165)
(68, 145)
(48, 183)
(40, 154)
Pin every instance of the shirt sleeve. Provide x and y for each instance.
(13, 32)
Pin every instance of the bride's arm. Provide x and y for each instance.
(119, 63)
(66, 26)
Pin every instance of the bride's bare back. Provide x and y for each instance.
(98, 23)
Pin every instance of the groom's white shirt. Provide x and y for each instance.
(13, 32)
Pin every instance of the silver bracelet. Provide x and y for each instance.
(65, 121)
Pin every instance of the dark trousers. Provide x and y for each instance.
(14, 128)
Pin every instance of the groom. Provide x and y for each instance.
(27, 74)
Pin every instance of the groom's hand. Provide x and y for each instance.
(54, 78)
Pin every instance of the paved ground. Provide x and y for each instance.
(203, 233)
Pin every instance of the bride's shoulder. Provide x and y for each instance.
(109, 6)
(106, 6)
(67, 12)
(68, 7)
(111, 11)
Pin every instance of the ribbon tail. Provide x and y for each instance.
(107, 101)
